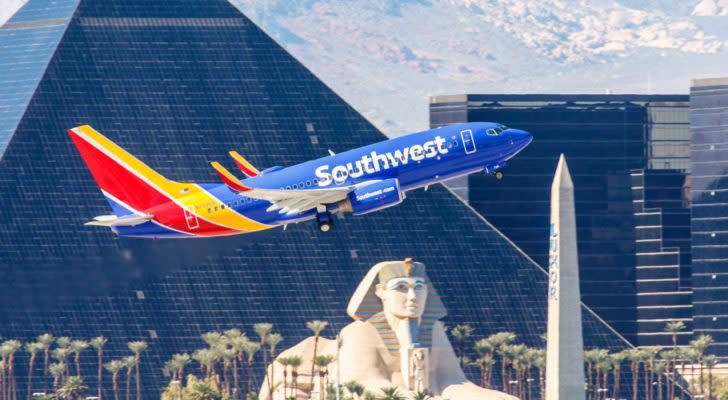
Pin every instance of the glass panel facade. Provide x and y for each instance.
(27, 42)
(603, 137)
(179, 83)
(662, 264)
(709, 156)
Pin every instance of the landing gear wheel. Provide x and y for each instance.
(498, 175)
(325, 221)
(324, 227)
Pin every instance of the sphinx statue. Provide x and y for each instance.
(395, 340)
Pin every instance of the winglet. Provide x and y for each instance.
(248, 169)
(230, 180)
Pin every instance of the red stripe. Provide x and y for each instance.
(121, 183)
(245, 169)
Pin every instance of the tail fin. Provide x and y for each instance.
(130, 186)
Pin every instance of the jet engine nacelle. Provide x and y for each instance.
(373, 197)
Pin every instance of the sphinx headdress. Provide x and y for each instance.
(366, 306)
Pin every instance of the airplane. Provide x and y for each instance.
(358, 181)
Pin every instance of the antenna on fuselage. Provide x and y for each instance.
(331, 152)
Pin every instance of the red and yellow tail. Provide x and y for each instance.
(132, 187)
(121, 176)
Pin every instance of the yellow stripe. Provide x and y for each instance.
(234, 154)
(193, 195)
(219, 168)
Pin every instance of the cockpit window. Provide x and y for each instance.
(497, 131)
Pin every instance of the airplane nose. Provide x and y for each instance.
(520, 139)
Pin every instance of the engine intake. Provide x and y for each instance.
(373, 197)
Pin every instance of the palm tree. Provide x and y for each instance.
(710, 362)
(72, 389)
(659, 369)
(236, 339)
(461, 334)
(285, 362)
(4, 353)
(501, 341)
(700, 345)
(295, 362)
(683, 354)
(605, 365)
(484, 348)
(355, 389)
(12, 346)
(668, 357)
(635, 357)
(650, 354)
(76, 347)
(213, 339)
(250, 349)
(673, 328)
(391, 393)
(691, 355)
(273, 340)
(129, 363)
(228, 355)
(32, 349)
(45, 340)
(617, 359)
(137, 348)
(423, 395)
(203, 390)
(540, 364)
(322, 362)
(316, 327)
(57, 370)
(114, 367)
(590, 357)
(262, 329)
(98, 344)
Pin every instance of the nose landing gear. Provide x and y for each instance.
(495, 170)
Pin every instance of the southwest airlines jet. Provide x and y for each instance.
(359, 181)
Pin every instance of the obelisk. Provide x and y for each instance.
(564, 345)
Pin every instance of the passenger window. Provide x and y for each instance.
(301, 185)
(209, 210)
(215, 208)
(288, 188)
(449, 145)
(308, 183)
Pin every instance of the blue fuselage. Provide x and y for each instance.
(415, 160)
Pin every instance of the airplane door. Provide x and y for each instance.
(468, 142)
(191, 219)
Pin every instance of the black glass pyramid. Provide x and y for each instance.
(178, 84)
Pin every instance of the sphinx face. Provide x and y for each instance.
(404, 297)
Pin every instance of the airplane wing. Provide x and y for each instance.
(286, 201)
(295, 201)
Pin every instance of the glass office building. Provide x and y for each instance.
(709, 156)
(178, 84)
(604, 138)
(661, 200)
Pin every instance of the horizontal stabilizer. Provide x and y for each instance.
(230, 180)
(113, 220)
(248, 169)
